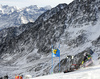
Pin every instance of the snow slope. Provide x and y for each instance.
(85, 73)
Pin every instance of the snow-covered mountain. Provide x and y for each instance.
(75, 27)
(12, 16)
(5, 9)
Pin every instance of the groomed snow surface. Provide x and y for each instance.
(92, 72)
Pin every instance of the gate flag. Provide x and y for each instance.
(55, 53)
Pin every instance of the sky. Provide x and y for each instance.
(39, 3)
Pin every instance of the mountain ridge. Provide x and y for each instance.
(75, 27)
(12, 16)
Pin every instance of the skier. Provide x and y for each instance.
(87, 57)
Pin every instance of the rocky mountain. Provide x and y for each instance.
(75, 27)
(12, 16)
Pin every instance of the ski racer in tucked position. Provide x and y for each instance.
(87, 60)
